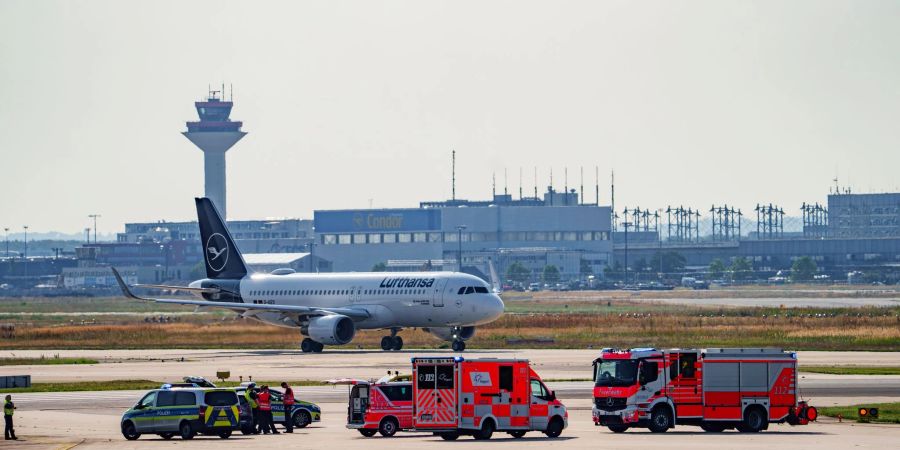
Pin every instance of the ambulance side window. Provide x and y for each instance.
(506, 378)
(165, 398)
(537, 389)
(444, 377)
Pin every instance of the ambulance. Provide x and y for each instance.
(716, 389)
(383, 407)
(455, 396)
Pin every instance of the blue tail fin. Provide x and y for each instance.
(221, 255)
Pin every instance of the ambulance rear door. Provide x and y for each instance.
(435, 394)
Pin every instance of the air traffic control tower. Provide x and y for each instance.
(215, 133)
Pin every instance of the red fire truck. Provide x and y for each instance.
(455, 396)
(383, 407)
(716, 388)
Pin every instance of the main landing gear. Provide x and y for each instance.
(310, 346)
(458, 346)
(392, 342)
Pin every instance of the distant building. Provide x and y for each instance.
(864, 215)
(298, 262)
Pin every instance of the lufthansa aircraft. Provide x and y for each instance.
(329, 308)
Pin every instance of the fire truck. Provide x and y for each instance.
(455, 396)
(381, 407)
(716, 388)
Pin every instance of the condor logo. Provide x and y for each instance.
(216, 252)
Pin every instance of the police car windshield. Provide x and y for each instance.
(622, 372)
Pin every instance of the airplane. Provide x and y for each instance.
(328, 308)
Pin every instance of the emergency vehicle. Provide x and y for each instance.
(455, 396)
(183, 411)
(381, 407)
(303, 412)
(716, 388)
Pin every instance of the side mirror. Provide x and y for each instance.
(552, 396)
(139, 406)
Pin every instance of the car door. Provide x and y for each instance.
(540, 405)
(277, 406)
(437, 298)
(166, 414)
(144, 417)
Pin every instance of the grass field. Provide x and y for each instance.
(551, 320)
(887, 412)
(54, 360)
(124, 385)
(852, 370)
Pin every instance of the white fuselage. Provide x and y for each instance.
(392, 299)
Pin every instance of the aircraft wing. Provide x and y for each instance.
(248, 309)
(180, 288)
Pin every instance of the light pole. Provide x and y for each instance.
(6, 230)
(94, 216)
(626, 224)
(459, 230)
(25, 252)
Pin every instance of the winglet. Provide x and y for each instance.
(495, 280)
(125, 290)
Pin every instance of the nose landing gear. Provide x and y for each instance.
(458, 346)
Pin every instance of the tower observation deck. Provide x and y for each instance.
(214, 134)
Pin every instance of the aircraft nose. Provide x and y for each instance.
(494, 308)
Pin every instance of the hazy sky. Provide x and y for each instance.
(349, 102)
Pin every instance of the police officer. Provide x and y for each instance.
(288, 407)
(254, 407)
(8, 410)
(265, 411)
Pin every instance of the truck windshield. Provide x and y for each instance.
(622, 372)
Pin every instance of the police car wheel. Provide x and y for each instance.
(387, 343)
(186, 430)
(517, 434)
(129, 431)
(166, 436)
(225, 434)
(301, 419)
(397, 345)
(388, 427)
(554, 428)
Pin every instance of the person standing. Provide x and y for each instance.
(9, 408)
(265, 411)
(254, 407)
(288, 407)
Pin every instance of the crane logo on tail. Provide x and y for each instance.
(216, 252)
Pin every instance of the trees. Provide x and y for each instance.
(518, 273)
(379, 267)
(717, 268)
(803, 269)
(585, 268)
(551, 274)
(671, 261)
(741, 269)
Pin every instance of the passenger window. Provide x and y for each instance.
(537, 389)
(165, 398)
(649, 372)
(506, 378)
(185, 398)
(462, 291)
(470, 290)
(686, 365)
(397, 393)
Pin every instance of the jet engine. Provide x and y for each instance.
(331, 330)
(453, 333)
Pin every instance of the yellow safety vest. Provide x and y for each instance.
(250, 400)
(8, 409)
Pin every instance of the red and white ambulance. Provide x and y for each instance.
(455, 396)
(716, 388)
(381, 407)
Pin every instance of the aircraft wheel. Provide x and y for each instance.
(306, 345)
(317, 347)
(387, 343)
(397, 344)
(458, 346)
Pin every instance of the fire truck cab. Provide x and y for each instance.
(381, 407)
(455, 396)
(716, 388)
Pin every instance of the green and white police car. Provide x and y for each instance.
(303, 413)
(184, 411)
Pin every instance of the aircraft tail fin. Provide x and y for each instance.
(221, 255)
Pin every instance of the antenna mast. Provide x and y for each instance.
(453, 176)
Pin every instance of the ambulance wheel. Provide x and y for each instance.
(754, 421)
(618, 428)
(387, 343)
(397, 344)
(486, 431)
(660, 419)
(166, 436)
(458, 346)
(388, 426)
(712, 427)
(367, 432)
(224, 434)
(554, 428)
(186, 430)
(301, 419)
(129, 431)
(451, 436)
(307, 345)
(517, 434)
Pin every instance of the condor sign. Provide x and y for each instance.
(365, 220)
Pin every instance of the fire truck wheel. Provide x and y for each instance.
(618, 428)
(486, 431)
(712, 427)
(660, 419)
(517, 434)
(388, 426)
(367, 432)
(554, 428)
(451, 436)
(397, 344)
(754, 420)
(387, 343)
(459, 346)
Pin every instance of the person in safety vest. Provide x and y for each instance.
(8, 410)
(250, 393)
(265, 411)
(288, 407)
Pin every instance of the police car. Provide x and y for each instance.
(303, 413)
(184, 411)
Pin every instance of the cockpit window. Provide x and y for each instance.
(481, 290)
(470, 290)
